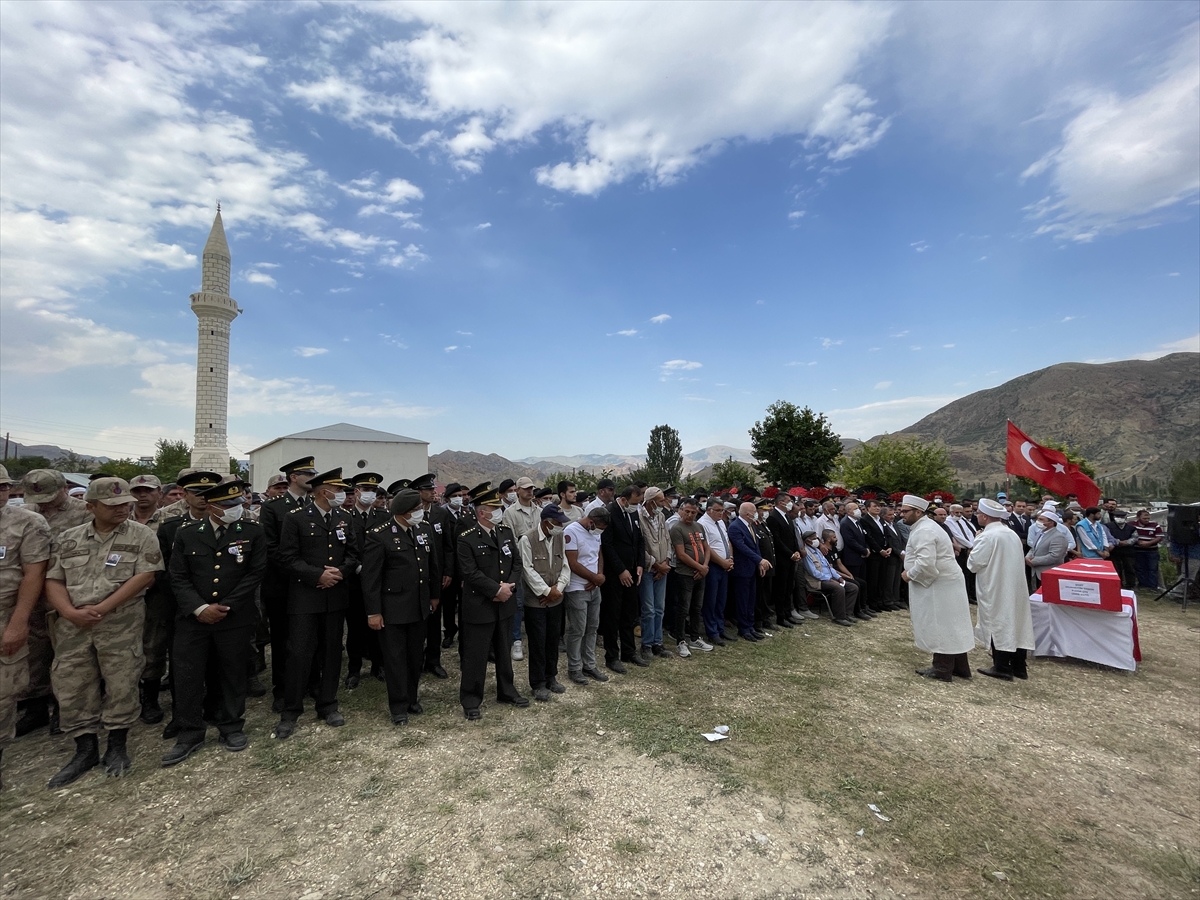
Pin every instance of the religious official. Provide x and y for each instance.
(489, 565)
(401, 584)
(98, 574)
(937, 594)
(318, 548)
(216, 564)
(1005, 622)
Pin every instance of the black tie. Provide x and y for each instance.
(220, 533)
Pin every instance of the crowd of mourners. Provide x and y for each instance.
(205, 590)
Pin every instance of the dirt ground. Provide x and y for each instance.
(1081, 782)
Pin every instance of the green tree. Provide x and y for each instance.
(1184, 486)
(1035, 489)
(664, 456)
(794, 446)
(18, 466)
(236, 468)
(169, 458)
(71, 461)
(123, 468)
(730, 472)
(898, 465)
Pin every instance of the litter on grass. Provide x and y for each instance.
(880, 816)
(720, 733)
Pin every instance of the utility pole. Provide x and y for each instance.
(6, 445)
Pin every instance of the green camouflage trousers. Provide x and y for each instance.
(110, 651)
(41, 653)
(14, 677)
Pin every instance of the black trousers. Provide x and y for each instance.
(1122, 561)
(448, 607)
(275, 606)
(961, 559)
(948, 664)
(362, 642)
(312, 635)
(762, 598)
(620, 613)
(433, 640)
(401, 647)
(892, 567)
(781, 589)
(873, 570)
(543, 625)
(198, 649)
(474, 641)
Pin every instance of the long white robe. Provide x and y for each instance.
(937, 591)
(1002, 596)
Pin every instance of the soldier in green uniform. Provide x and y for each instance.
(445, 549)
(401, 585)
(489, 566)
(274, 590)
(160, 614)
(24, 554)
(46, 494)
(98, 574)
(362, 642)
(318, 547)
(216, 566)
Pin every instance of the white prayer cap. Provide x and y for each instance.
(652, 493)
(1048, 513)
(1050, 505)
(918, 503)
(992, 509)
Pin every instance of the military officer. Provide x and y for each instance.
(459, 508)
(178, 507)
(361, 641)
(98, 574)
(275, 581)
(445, 549)
(489, 565)
(24, 555)
(216, 566)
(318, 548)
(160, 613)
(401, 585)
(46, 494)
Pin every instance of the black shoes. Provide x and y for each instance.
(638, 660)
(716, 640)
(416, 708)
(580, 678)
(254, 687)
(87, 757)
(234, 742)
(284, 729)
(518, 701)
(353, 680)
(541, 695)
(35, 715)
(597, 675)
(448, 642)
(846, 623)
(171, 731)
(437, 671)
(931, 672)
(555, 686)
(749, 636)
(335, 719)
(181, 751)
(617, 666)
(402, 719)
(473, 715)
(993, 672)
(377, 672)
(277, 705)
(116, 758)
(784, 623)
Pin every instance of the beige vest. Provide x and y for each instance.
(547, 557)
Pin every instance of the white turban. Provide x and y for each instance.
(918, 503)
(1050, 514)
(992, 509)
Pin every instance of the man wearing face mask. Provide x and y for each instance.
(581, 546)
(318, 549)
(521, 515)
(787, 552)
(216, 566)
(821, 576)
(508, 493)
(546, 574)
(401, 584)
(620, 607)
(489, 565)
(854, 548)
(445, 546)
(362, 642)
(455, 496)
(1122, 555)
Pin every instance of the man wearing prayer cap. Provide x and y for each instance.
(937, 594)
(401, 585)
(1004, 620)
(1047, 544)
(489, 564)
(318, 549)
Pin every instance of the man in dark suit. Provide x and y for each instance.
(362, 642)
(275, 581)
(748, 564)
(763, 584)
(216, 567)
(318, 548)
(854, 552)
(894, 563)
(620, 605)
(401, 584)
(489, 565)
(1019, 521)
(875, 562)
(787, 553)
(461, 518)
(445, 549)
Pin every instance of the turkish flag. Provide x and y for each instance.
(1048, 467)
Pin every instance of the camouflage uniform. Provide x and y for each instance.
(160, 615)
(110, 650)
(24, 540)
(72, 513)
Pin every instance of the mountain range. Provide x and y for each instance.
(620, 463)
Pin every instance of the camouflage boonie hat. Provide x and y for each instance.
(42, 485)
(109, 491)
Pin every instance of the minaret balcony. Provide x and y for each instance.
(207, 303)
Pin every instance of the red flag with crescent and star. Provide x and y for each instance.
(1048, 467)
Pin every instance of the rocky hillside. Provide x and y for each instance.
(470, 468)
(1134, 417)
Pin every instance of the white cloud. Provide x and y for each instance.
(919, 246)
(628, 332)
(660, 318)
(406, 258)
(692, 398)
(309, 351)
(495, 75)
(54, 341)
(947, 346)
(830, 342)
(483, 225)
(796, 214)
(883, 385)
(871, 419)
(256, 277)
(1125, 159)
(341, 290)
(1185, 345)
(679, 365)
(899, 334)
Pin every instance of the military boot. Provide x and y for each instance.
(54, 726)
(87, 756)
(35, 713)
(152, 713)
(116, 759)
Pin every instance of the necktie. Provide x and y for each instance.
(220, 532)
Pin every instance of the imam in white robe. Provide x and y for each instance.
(1002, 596)
(937, 591)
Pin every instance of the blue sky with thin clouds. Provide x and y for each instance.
(544, 229)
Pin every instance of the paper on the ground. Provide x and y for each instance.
(880, 816)
(722, 729)
(715, 737)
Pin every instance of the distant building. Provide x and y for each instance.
(354, 448)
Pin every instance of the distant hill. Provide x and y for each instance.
(1133, 417)
(470, 468)
(49, 451)
(620, 463)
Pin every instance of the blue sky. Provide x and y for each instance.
(544, 229)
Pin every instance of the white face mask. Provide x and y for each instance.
(231, 515)
(456, 502)
(511, 496)
(366, 498)
(416, 517)
(337, 499)
(789, 506)
(556, 530)
(858, 514)
(814, 543)
(674, 503)
(498, 515)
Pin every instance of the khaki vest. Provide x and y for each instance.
(547, 557)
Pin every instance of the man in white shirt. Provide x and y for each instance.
(606, 492)
(716, 585)
(962, 534)
(581, 545)
(828, 521)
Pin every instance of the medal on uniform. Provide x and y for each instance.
(421, 539)
(437, 526)
(235, 550)
(113, 559)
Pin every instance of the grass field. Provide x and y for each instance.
(1081, 782)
